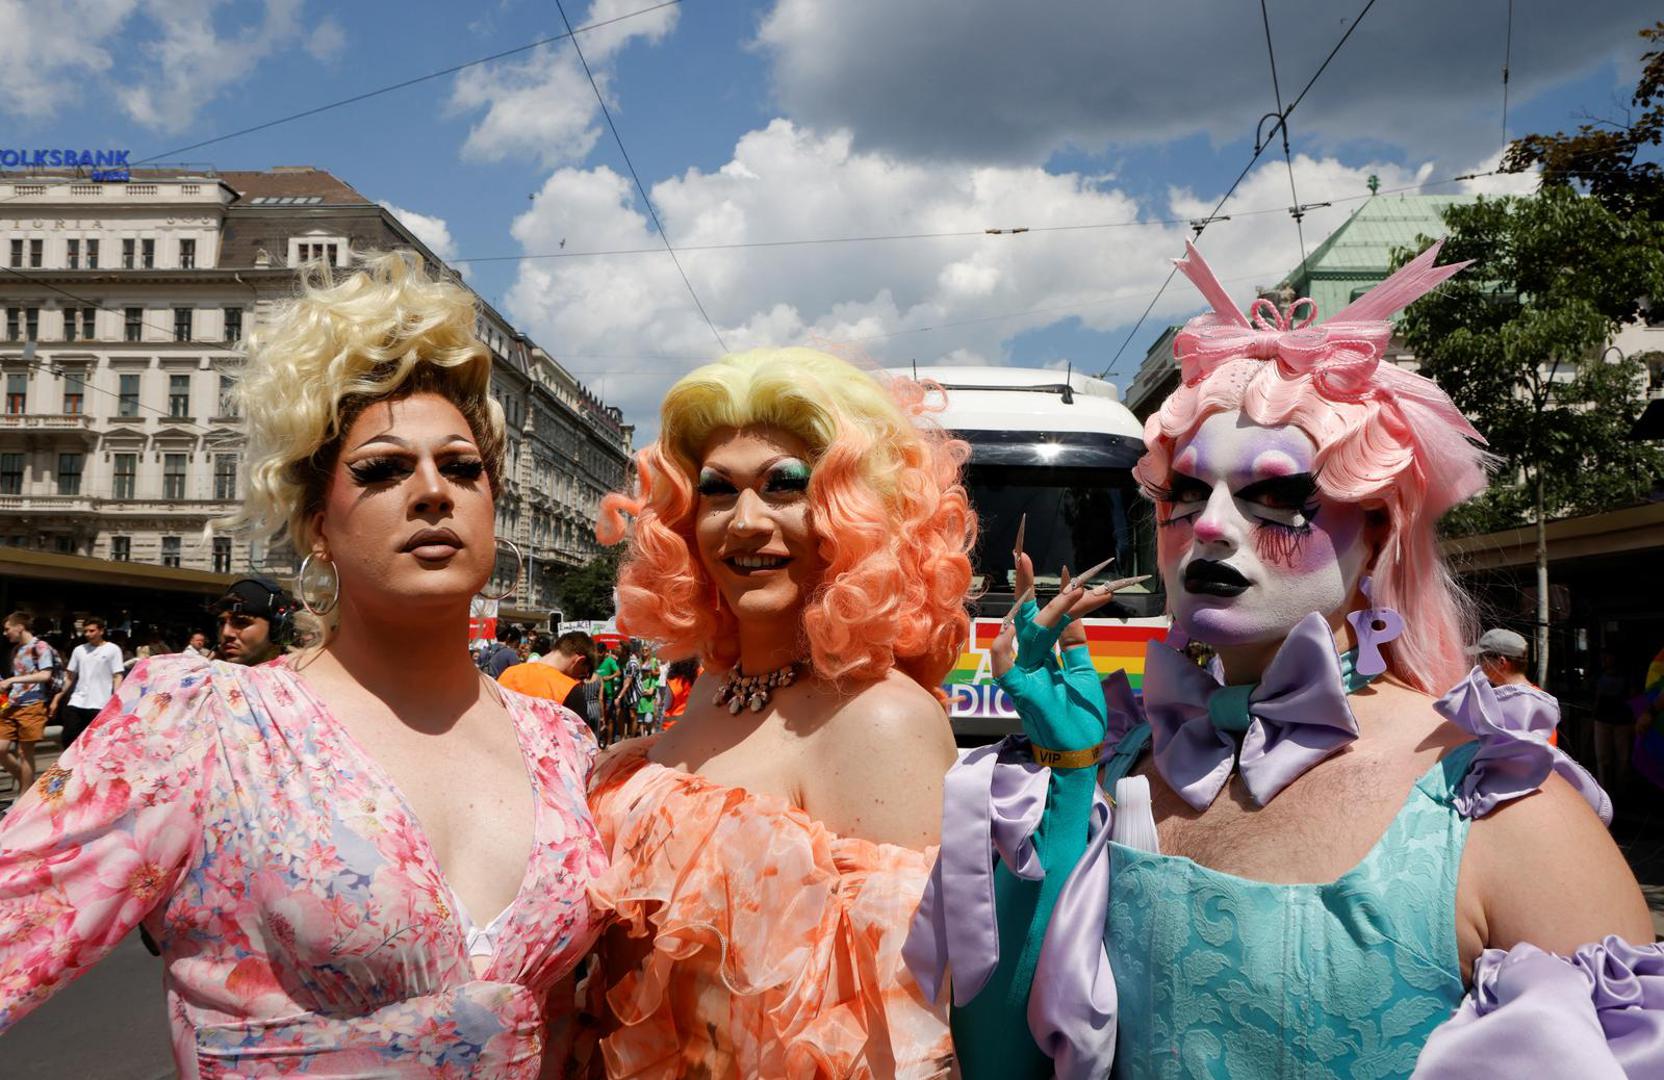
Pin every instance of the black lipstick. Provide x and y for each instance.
(1212, 578)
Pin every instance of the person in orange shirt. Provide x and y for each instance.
(680, 679)
(559, 674)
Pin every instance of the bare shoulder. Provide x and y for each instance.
(1547, 871)
(879, 762)
(894, 707)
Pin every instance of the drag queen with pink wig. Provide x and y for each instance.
(1310, 866)
(800, 526)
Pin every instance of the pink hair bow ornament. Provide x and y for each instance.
(1341, 355)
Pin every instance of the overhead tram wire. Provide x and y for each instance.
(646, 200)
(1507, 60)
(1203, 224)
(1282, 127)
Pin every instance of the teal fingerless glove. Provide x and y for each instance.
(1061, 706)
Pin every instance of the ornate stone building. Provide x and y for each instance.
(125, 306)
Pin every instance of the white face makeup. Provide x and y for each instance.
(1249, 546)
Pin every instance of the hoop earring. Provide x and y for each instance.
(519, 567)
(300, 587)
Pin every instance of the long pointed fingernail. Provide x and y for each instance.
(1096, 570)
(1017, 548)
(1122, 583)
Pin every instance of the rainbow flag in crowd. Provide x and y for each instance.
(1114, 644)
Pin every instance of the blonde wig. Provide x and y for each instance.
(385, 331)
(891, 519)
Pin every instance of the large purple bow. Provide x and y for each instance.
(1512, 724)
(992, 802)
(1295, 717)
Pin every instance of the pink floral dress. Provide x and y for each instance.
(304, 923)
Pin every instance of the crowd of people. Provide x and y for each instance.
(1341, 848)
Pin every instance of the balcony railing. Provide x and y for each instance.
(53, 504)
(36, 422)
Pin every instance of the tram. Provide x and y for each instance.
(1058, 447)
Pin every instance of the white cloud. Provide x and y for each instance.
(327, 41)
(542, 106)
(161, 61)
(932, 299)
(984, 80)
(430, 230)
(47, 52)
(191, 63)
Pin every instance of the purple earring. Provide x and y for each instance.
(1373, 627)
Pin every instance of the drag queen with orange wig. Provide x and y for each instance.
(800, 526)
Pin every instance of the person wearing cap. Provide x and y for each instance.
(256, 614)
(1502, 656)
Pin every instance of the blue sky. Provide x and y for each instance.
(803, 119)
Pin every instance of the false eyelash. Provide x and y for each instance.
(1279, 543)
(711, 484)
(466, 469)
(376, 470)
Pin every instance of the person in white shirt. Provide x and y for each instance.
(94, 675)
(199, 645)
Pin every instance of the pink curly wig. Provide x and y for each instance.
(1384, 436)
(893, 522)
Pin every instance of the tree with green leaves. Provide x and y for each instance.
(586, 591)
(1520, 342)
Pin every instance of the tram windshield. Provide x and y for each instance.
(1077, 517)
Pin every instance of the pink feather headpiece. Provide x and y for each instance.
(1342, 355)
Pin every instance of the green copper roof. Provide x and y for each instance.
(1359, 253)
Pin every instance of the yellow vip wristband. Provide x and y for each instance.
(1064, 759)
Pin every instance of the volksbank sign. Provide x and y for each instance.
(105, 164)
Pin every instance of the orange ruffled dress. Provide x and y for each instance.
(776, 945)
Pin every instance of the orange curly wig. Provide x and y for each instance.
(893, 523)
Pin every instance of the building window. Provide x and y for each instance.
(127, 400)
(36, 252)
(31, 324)
(179, 396)
(222, 554)
(121, 548)
(11, 474)
(228, 396)
(14, 323)
(182, 324)
(127, 254)
(17, 393)
(147, 254)
(69, 473)
(17, 252)
(92, 254)
(89, 323)
(135, 324)
(187, 254)
(225, 477)
(170, 551)
(325, 252)
(74, 254)
(75, 389)
(126, 476)
(173, 476)
(233, 324)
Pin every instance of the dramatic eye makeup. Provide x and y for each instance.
(786, 476)
(368, 472)
(1184, 496)
(712, 482)
(1287, 505)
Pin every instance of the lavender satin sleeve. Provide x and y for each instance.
(1512, 725)
(1072, 1006)
(1596, 1014)
(992, 803)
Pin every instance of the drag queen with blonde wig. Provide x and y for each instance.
(307, 839)
(801, 527)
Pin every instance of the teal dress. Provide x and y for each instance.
(1219, 976)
